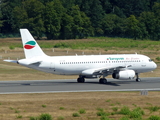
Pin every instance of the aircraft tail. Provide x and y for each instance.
(30, 46)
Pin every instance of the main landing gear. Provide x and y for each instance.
(80, 80)
(102, 80)
(137, 78)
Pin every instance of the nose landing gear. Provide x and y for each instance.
(137, 78)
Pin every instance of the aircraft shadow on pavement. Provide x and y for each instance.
(61, 83)
(118, 83)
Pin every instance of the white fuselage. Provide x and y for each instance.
(74, 65)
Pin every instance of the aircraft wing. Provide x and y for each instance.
(103, 70)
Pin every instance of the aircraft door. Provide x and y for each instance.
(143, 63)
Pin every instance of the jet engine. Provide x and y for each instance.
(124, 75)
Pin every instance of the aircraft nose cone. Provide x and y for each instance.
(155, 66)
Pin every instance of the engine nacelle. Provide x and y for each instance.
(124, 75)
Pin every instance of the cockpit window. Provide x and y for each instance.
(150, 60)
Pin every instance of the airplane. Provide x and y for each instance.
(120, 66)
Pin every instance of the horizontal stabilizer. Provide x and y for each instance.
(13, 61)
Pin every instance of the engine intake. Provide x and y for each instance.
(124, 75)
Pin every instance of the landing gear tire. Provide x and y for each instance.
(102, 81)
(138, 80)
(81, 80)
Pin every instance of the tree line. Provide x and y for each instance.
(71, 19)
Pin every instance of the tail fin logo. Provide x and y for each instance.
(30, 44)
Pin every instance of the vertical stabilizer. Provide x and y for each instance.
(30, 46)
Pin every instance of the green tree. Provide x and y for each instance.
(150, 22)
(75, 24)
(68, 3)
(66, 29)
(125, 8)
(133, 27)
(114, 25)
(151, 3)
(108, 24)
(82, 25)
(34, 22)
(96, 15)
(52, 19)
(20, 17)
(7, 14)
(94, 10)
(87, 26)
(45, 1)
(107, 7)
(120, 27)
(78, 22)
(81, 18)
(1, 22)
(143, 33)
(156, 10)
(84, 5)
